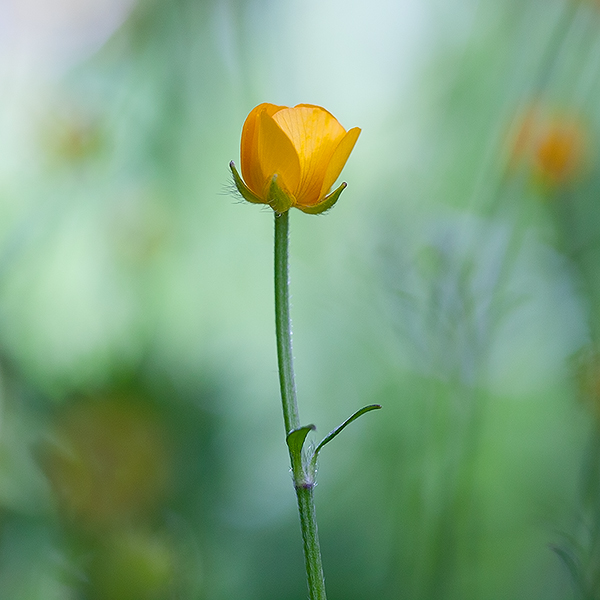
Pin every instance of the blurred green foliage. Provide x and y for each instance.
(457, 283)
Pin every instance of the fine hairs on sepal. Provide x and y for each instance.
(242, 188)
(231, 189)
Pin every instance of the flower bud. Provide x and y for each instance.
(292, 157)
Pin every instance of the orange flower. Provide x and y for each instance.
(552, 146)
(558, 153)
(292, 157)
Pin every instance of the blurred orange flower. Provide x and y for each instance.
(558, 152)
(586, 368)
(553, 147)
(292, 157)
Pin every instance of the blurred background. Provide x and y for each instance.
(457, 283)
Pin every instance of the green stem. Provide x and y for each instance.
(310, 539)
(283, 324)
(303, 484)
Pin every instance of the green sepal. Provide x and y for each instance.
(339, 428)
(279, 200)
(295, 439)
(325, 204)
(242, 188)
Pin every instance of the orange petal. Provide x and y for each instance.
(276, 155)
(250, 164)
(339, 158)
(315, 134)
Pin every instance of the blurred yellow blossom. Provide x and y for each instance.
(292, 157)
(133, 565)
(71, 136)
(107, 461)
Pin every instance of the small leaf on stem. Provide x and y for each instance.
(339, 428)
(295, 439)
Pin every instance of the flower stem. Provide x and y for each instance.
(303, 484)
(283, 324)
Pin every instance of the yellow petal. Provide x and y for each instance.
(338, 159)
(276, 156)
(315, 106)
(250, 164)
(315, 134)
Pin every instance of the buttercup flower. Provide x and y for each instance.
(292, 157)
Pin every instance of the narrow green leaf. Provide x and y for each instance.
(339, 428)
(295, 439)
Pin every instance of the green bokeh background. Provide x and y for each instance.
(142, 453)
